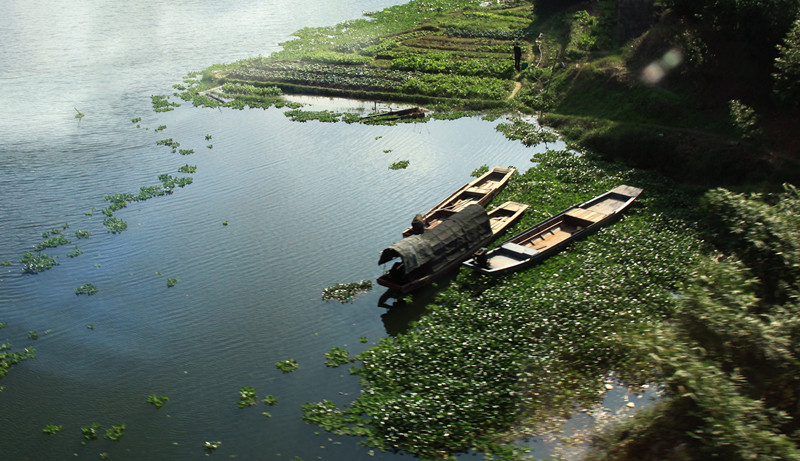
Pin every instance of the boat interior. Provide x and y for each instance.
(561, 229)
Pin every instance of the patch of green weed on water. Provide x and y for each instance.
(157, 401)
(90, 432)
(161, 103)
(288, 365)
(51, 429)
(345, 292)
(8, 358)
(35, 263)
(247, 397)
(115, 225)
(115, 432)
(86, 289)
(400, 165)
(338, 356)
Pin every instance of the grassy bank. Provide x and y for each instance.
(499, 357)
(457, 55)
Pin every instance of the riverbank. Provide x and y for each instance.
(496, 359)
(459, 57)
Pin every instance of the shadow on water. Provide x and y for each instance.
(403, 310)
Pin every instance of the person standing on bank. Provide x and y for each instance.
(517, 56)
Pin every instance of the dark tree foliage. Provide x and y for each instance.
(762, 22)
(787, 65)
(730, 360)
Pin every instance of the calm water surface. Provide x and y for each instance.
(308, 205)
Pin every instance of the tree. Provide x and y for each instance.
(787, 65)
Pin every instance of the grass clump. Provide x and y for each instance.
(171, 282)
(187, 169)
(399, 165)
(270, 400)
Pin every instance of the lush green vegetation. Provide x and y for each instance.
(171, 282)
(270, 400)
(345, 292)
(399, 165)
(667, 93)
(499, 354)
(705, 93)
(729, 359)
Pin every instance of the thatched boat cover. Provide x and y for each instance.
(448, 241)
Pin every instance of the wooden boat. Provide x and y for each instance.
(426, 257)
(554, 234)
(411, 112)
(481, 191)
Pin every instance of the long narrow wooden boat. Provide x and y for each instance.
(481, 191)
(411, 112)
(426, 257)
(554, 234)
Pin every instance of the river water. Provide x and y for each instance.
(308, 205)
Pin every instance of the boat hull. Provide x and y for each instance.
(554, 234)
(500, 219)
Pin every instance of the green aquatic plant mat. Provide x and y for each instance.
(288, 365)
(247, 397)
(346, 292)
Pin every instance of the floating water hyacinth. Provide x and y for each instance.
(90, 432)
(345, 292)
(115, 432)
(157, 401)
(33, 264)
(86, 289)
(287, 366)
(247, 397)
(51, 429)
(338, 356)
(401, 165)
